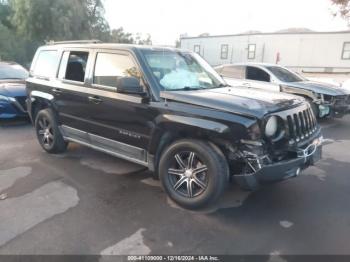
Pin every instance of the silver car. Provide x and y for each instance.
(325, 99)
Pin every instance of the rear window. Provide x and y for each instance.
(46, 64)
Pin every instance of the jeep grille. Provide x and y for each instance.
(300, 123)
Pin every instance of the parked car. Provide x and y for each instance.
(168, 110)
(12, 90)
(327, 100)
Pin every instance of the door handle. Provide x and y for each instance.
(57, 90)
(95, 99)
(247, 84)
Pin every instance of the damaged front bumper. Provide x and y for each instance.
(336, 106)
(282, 170)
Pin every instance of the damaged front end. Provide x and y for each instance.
(269, 159)
(333, 106)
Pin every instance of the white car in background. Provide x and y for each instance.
(326, 99)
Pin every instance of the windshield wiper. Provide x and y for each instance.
(222, 85)
(187, 88)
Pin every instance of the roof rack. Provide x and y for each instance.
(93, 41)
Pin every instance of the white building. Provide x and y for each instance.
(302, 51)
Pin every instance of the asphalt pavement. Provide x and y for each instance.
(87, 202)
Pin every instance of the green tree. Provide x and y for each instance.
(26, 24)
(45, 20)
(343, 8)
(119, 36)
(5, 13)
(139, 40)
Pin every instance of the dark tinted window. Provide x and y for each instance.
(254, 73)
(284, 75)
(12, 71)
(46, 63)
(233, 72)
(76, 66)
(110, 67)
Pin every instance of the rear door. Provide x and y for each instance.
(70, 92)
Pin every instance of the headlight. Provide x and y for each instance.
(271, 126)
(3, 98)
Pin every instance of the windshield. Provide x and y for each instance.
(285, 75)
(12, 71)
(182, 71)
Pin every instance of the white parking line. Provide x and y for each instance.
(132, 245)
(22, 213)
(286, 224)
(10, 176)
(275, 256)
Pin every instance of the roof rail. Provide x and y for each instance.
(93, 41)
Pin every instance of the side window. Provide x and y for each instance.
(237, 72)
(46, 64)
(109, 67)
(76, 66)
(254, 73)
(251, 51)
(73, 66)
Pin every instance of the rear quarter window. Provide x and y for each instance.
(46, 63)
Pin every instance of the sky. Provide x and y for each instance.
(166, 20)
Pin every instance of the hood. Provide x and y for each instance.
(13, 89)
(322, 88)
(241, 101)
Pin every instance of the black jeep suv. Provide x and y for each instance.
(168, 110)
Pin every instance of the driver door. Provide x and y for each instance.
(120, 122)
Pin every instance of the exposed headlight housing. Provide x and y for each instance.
(271, 126)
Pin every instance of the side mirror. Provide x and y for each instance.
(129, 85)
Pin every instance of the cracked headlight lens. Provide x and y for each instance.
(271, 126)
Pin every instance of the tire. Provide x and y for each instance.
(48, 133)
(193, 173)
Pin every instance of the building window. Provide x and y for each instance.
(251, 51)
(346, 51)
(224, 51)
(197, 49)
